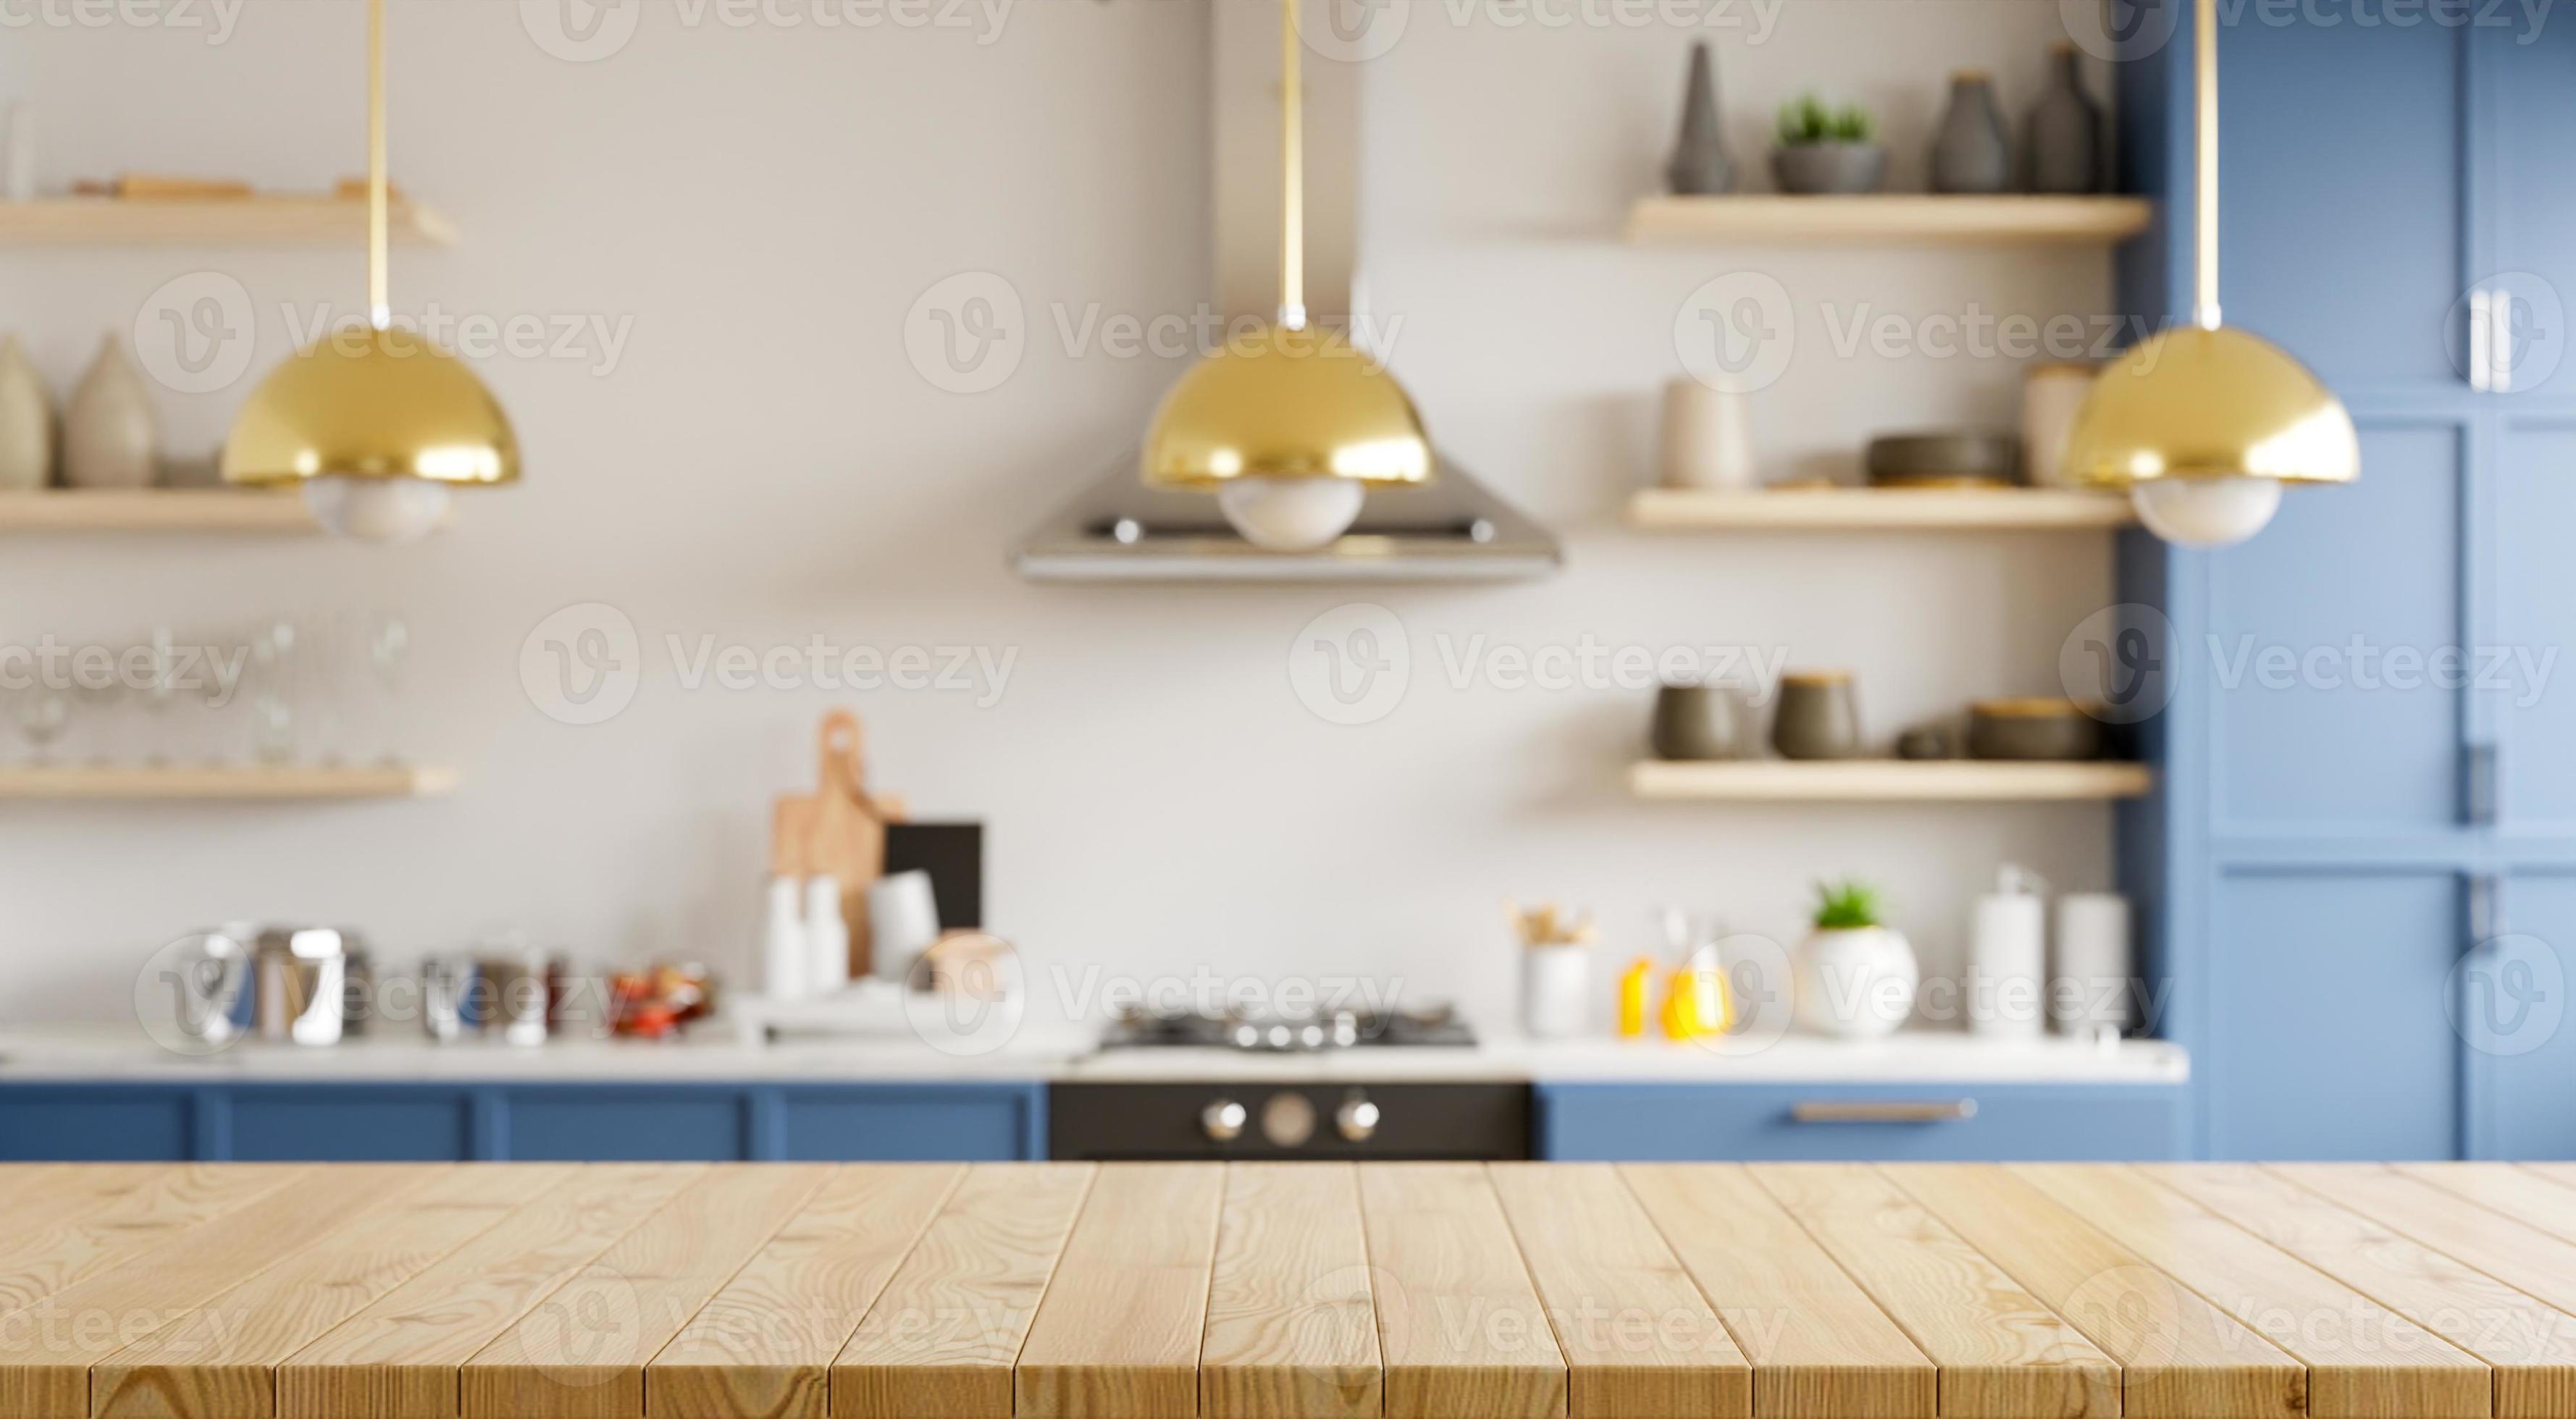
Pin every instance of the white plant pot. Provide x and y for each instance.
(1554, 984)
(1855, 983)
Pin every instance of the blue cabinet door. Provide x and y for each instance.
(916, 1123)
(2330, 1024)
(97, 1123)
(350, 1123)
(2525, 221)
(628, 1123)
(2527, 703)
(2512, 1004)
(1784, 1123)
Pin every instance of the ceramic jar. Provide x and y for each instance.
(26, 422)
(2051, 396)
(111, 432)
(1970, 152)
(2062, 135)
(1699, 167)
(1854, 983)
(1700, 722)
(1707, 438)
(1817, 717)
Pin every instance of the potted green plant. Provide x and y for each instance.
(1854, 975)
(1825, 150)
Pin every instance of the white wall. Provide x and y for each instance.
(765, 464)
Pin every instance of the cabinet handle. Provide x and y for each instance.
(2485, 912)
(2478, 785)
(2500, 342)
(1884, 1111)
(2481, 344)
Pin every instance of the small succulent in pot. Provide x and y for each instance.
(1854, 976)
(1827, 150)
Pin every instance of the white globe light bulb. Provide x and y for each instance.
(1291, 514)
(386, 510)
(2206, 512)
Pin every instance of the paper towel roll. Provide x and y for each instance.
(2090, 985)
(2008, 954)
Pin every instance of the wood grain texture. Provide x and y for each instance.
(1118, 1334)
(941, 1340)
(218, 1362)
(2180, 1357)
(2515, 1191)
(399, 1358)
(1819, 1346)
(47, 1351)
(1459, 1323)
(2534, 1262)
(60, 1240)
(581, 1353)
(1291, 1325)
(2003, 1354)
(2364, 1361)
(763, 1348)
(2532, 1347)
(1640, 1341)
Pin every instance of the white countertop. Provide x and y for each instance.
(714, 1054)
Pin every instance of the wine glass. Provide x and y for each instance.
(44, 712)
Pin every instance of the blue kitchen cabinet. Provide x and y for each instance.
(2353, 879)
(1761, 1123)
(573, 1122)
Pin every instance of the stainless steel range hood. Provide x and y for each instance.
(1119, 529)
(1451, 529)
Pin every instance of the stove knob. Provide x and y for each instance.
(1222, 1121)
(1356, 1119)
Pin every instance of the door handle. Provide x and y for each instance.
(1883, 1111)
(2478, 785)
(2481, 342)
(2485, 911)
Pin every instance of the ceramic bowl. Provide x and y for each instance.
(2032, 729)
(1965, 457)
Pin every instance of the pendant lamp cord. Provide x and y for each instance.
(1292, 172)
(2204, 305)
(379, 307)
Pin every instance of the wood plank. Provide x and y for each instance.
(2532, 1348)
(765, 1344)
(46, 1352)
(399, 1358)
(1292, 1326)
(155, 510)
(1890, 218)
(256, 783)
(581, 1353)
(941, 1341)
(1640, 1341)
(1460, 1325)
(2180, 1357)
(1819, 1346)
(1884, 781)
(66, 1244)
(2002, 1353)
(39, 1202)
(2532, 1261)
(1844, 509)
(264, 219)
(1117, 1336)
(2516, 1191)
(2364, 1361)
(219, 1361)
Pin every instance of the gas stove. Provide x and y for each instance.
(1435, 1026)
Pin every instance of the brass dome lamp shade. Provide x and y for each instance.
(2203, 425)
(376, 425)
(1288, 426)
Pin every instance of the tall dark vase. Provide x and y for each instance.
(1970, 153)
(2063, 134)
(1699, 167)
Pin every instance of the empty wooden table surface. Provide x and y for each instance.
(2219, 1291)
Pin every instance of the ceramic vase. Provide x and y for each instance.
(1696, 723)
(111, 433)
(1817, 718)
(26, 422)
(2063, 132)
(1854, 983)
(1707, 438)
(1970, 152)
(1699, 167)
(2051, 396)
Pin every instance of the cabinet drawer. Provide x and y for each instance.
(904, 1124)
(350, 1123)
(1859, 1123)
(95, 1123)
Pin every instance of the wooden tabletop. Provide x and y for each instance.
(1834, 1291)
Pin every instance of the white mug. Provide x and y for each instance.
(1707, 439)
(903, 921)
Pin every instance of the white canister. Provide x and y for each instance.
(1707, 439)
(827, 937)
(2050, 396)
(1554, 990)
(2094, 975)
(2007, 957)
(903, 922)
(783, 952)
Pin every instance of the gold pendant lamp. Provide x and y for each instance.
(1288, 426)
(2203, 425)
(376, 425)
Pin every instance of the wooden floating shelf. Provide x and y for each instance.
(132, 782)
(1890, 218)
(210, 221)
(1885, 781)
(1877, 510)
(155, 510)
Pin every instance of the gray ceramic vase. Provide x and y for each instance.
(1828, 169)
(1700, 722)
(1970, 152)
(1699, 167)
(2062, 137)
(1817, 718)
(111, 432)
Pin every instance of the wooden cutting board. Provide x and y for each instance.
(838, 831)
